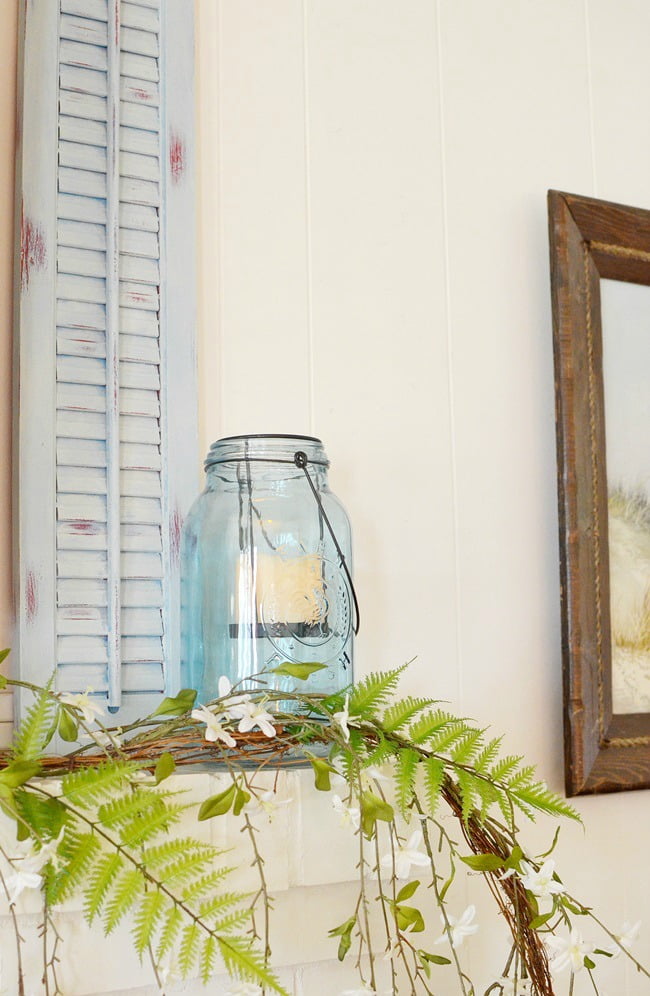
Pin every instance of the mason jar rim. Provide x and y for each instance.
(214, 457)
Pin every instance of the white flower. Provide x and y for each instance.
(213, 729)
(349, 816)
(104, 738)
(459, 928)
(26, 870)
(406, 855)
(235, 702)
(625, 939)
(252, 715)
(568, 952)
(89, 710)
(342, 718)
(508, 986)
(266, 802)
(541, 882)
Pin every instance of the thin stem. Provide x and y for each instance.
(19, 938)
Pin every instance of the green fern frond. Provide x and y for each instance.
(208, 957)
(522, 778)
(467, 788)
(91, 786)
(188, 951)
(373, 692)
(147, 917)
(538, 797)
(384, 751)
(205, 884)
(100, 880)
(160, 855)
(434, 776)
(488, 755)
(488, 796)
(243, 962)
(503, 769)
(128, 888)
(185, 868)
(44, 816)
(405, 769)
(169, 932)
(79, 851)
(454, 732)
(400, 713)
(219, 904)
(37, 728)
(146, 827)
(466, 749)
(135, 802)
(429, 725)
(233, 921)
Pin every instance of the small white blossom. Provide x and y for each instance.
(343, 718)
(104, 738)
(213, 728)
(265, 802)
(26, 869)
(235, 702)
(459, 928)
(349, 816)
(406, 855)
(253, 715)
(88, 709)
(541, 882)
(625, 939)
(508, 987)
(569, 951)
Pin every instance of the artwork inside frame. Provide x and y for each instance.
(600, 282)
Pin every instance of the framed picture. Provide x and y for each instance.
(600, 281)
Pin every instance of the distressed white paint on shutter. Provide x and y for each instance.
(106, 316)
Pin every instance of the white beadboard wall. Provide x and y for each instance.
(374, 270)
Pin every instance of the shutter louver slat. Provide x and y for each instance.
(81, 29)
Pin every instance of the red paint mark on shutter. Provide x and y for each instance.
(85, 527)
(32, 249)
(175, 530)
(117, 24)
(31, 596)
(140, 94)
(176, 158)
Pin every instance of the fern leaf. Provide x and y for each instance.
(208, 956)
(467, 747)
(133, 803)
(398, 715)
(538, 796)
(184, 867)
(128, 888)
(205, 884)
(488, 796)
(522, 778)
(374, 692)
(488, 755)
(243, 962)
(78, 851)
(467, 788)
(102, 876)
(504, 768)
(147, 917)
(37, 728)
(219, 904)
(232, 921)
(446, 738)
(91, 786)
(405, 769)
(44, 816)
(169, 932)
(434, 775)
(429, 725)
(146, 827)
(383, 752)
(189, 948)
(159, 855)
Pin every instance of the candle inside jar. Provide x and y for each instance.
(281, 589)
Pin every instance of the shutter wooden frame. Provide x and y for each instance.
(94, 136)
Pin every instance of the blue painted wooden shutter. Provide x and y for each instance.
(107, 357)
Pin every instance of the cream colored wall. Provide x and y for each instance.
(374, 270)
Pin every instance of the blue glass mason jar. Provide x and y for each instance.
(266, 564)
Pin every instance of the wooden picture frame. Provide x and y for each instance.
(590, 240)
